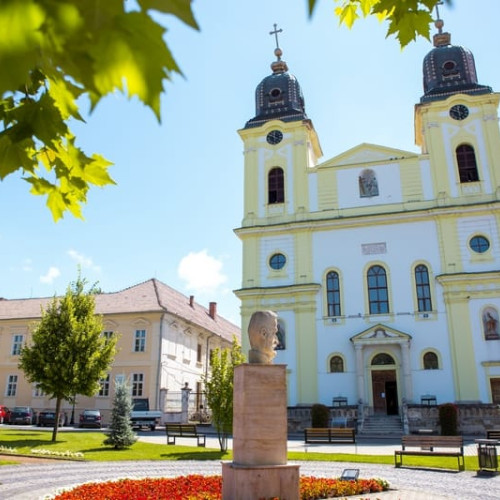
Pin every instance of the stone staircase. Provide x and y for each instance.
(382, 426)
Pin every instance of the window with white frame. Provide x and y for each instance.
(199, 351)
(108, 335)
(104, 389)
(37, 391)
(17, 344)
(140, 341)
(11, 385)
(137, 384)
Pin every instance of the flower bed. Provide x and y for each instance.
(197, 487)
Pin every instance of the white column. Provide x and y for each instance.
(360, 372)
(407, 386)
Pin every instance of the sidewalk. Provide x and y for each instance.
(39, 481)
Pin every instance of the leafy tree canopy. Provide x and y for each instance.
(67, 354)
(219, 389)
(54, 52)
(408, 19)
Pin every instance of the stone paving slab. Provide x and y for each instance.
(40, 481)
(32, 482)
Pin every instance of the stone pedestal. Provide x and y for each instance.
(259, 468)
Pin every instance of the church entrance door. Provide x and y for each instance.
(385, 392)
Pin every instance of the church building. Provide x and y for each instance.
(383, 265)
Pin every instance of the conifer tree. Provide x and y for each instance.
(121, 434)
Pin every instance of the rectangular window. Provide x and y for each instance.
(198, 353)
(104, 389)
(37, 392)
(108, 335)
(11, 385)
(140, 341)
(137, 384)
(17, 344)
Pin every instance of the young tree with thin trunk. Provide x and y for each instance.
(121, 434)
(67, 354)
(219, 389)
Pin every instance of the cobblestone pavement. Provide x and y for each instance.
(34, 481)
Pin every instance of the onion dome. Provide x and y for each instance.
(449, 69)
(278, 96)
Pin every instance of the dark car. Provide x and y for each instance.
(48, 417)
(22, 415)
(90, 418)
(4, 414)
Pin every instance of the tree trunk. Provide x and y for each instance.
(222, 441)
(56, 422)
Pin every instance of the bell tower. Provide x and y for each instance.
(456, 123)
(281, 148)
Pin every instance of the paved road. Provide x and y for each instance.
(40, 481)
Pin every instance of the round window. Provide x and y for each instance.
(479, 244)
(277, 261)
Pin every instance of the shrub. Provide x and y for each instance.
(448, 419)
(320, 415)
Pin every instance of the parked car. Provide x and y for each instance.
(4, 414)
(48, 417)
(90, 418)
(22, 415)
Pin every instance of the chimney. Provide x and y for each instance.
(191, 300)
(212, 309)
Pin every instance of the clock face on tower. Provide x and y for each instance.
(459, 112)
(274, 137)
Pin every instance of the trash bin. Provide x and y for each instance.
(487, 456)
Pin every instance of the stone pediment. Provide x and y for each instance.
(380, 334)
(368, 153)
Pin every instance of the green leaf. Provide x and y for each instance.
(409, 26)
(15, 154)
(179, 8)
(20, 22)
(133, 57)
(311, 5)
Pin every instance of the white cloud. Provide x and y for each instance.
(51, 275)
(202, 272)
(83, 261)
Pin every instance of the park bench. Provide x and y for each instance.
(493, 434)
(335, 435)
(185, 431)
(431, 446)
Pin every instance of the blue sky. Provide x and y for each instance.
(180, 183)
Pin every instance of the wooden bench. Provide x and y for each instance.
(427, 448)
(183, 430)
(329, 435)
(493, 434)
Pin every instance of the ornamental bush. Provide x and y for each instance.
(320, 415)
(121, 434)
(448, 419)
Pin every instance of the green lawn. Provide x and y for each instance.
(90, 444)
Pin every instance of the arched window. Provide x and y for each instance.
(276, 185)
(383, 359)
(423, 288)
(336, 364)
(281, 337)
(333, 293)
(490, 324)
(378, 296)
(466, 161)
(430, 361)
(368, 185)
